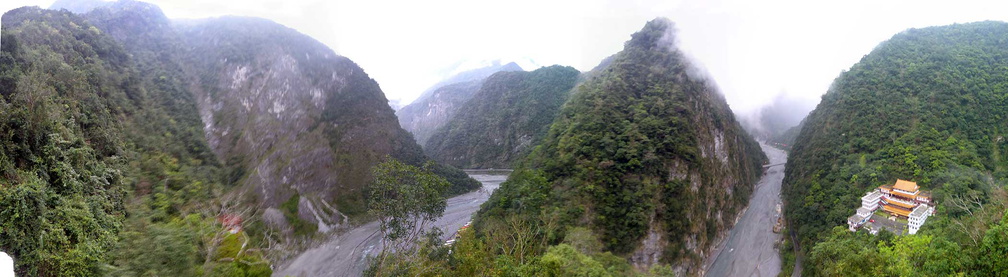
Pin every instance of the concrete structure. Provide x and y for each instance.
(903, 200)
(917, 217)
(869, 203)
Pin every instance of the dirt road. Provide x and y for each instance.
(749, 250)
(345, 255)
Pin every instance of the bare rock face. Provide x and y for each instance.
(291, 116)
(282, 114)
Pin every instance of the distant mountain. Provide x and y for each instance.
(928, 105)
(438, 104)
(505, 118)
(645, 162)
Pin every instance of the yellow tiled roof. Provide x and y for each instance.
(905, 185)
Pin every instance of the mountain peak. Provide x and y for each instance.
(660, 31)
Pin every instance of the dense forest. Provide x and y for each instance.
(617, 186)
(928, 105)
(100, 156)
(505, 118)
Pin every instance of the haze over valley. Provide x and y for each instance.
(522, 138)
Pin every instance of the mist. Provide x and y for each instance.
(780, 114)
(752, 50)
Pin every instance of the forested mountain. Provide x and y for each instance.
(438, 104)
(645, 166)
(787, 139)
(928, 105)
(508, 116)
(126, 140)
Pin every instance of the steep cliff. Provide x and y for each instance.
(646, 155)
(437, 105)
(508, 116)
(300, 120)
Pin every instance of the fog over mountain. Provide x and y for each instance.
(598, 138)
(754, 50)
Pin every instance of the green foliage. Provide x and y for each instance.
(404, 197)
(301, 227)
(928, 105)
(610, 159)
(604, 175)
(509, 114)
(61, 202)
(88, 132)
(844, 253)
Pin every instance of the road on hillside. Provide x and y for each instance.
(749, 250)
(344, 255)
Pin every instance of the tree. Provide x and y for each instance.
(405, 199)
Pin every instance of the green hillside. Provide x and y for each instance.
(644, 167)
(928, 105)
(508, 116)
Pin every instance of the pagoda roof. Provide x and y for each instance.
(891, 209)
(905, 185)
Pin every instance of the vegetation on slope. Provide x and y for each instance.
(90, 136)
(437, 105)
(104, 167)
(928, 105)
(614, 187)
(503, 121)
(254, 72)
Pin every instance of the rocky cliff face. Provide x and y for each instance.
(286, 116)
(508, 116)
(436, 106)
(299, 119)
(646, 154)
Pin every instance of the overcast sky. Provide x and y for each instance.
(753, 49)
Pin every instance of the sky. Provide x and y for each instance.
(754, 50)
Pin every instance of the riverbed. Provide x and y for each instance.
(749, 249)
(345, 254)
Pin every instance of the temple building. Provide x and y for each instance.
(903, 200)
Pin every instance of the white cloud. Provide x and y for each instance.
(753, 49)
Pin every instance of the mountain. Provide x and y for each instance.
(645, 164)
(927, 105)
(505, 118)
(438, 104)
(89, 146)
(128, 141)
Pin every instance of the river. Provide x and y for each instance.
(749, 249)
(344, 255)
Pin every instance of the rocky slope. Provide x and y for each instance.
(646, 155)
(303, 122)
(505, 118)
(437, 105)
